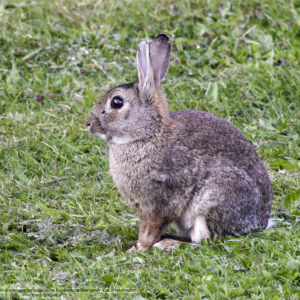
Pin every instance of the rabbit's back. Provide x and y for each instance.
(222, 146)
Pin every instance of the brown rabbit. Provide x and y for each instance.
(189, 168)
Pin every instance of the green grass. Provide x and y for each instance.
(63, 225)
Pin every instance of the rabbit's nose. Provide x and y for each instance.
(89, 120)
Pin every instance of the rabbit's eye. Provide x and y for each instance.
(116, 102)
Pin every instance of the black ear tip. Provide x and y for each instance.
(163, 38)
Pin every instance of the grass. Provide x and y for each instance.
(63, 227)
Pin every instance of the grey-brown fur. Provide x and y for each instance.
(191, 168)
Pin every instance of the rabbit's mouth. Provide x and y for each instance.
(102, 136)
(94, 126)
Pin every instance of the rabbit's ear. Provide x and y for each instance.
(160, 50)
(146, 80)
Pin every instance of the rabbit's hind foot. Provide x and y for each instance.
(167, 244)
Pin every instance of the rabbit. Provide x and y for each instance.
(189, 168)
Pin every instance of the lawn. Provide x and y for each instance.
(64, 229)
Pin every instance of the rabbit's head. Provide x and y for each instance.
(135, 111)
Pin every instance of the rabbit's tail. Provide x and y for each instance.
(270, 223)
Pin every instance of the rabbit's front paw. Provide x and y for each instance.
(131, 250)
(167, 244)
(143, 247)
